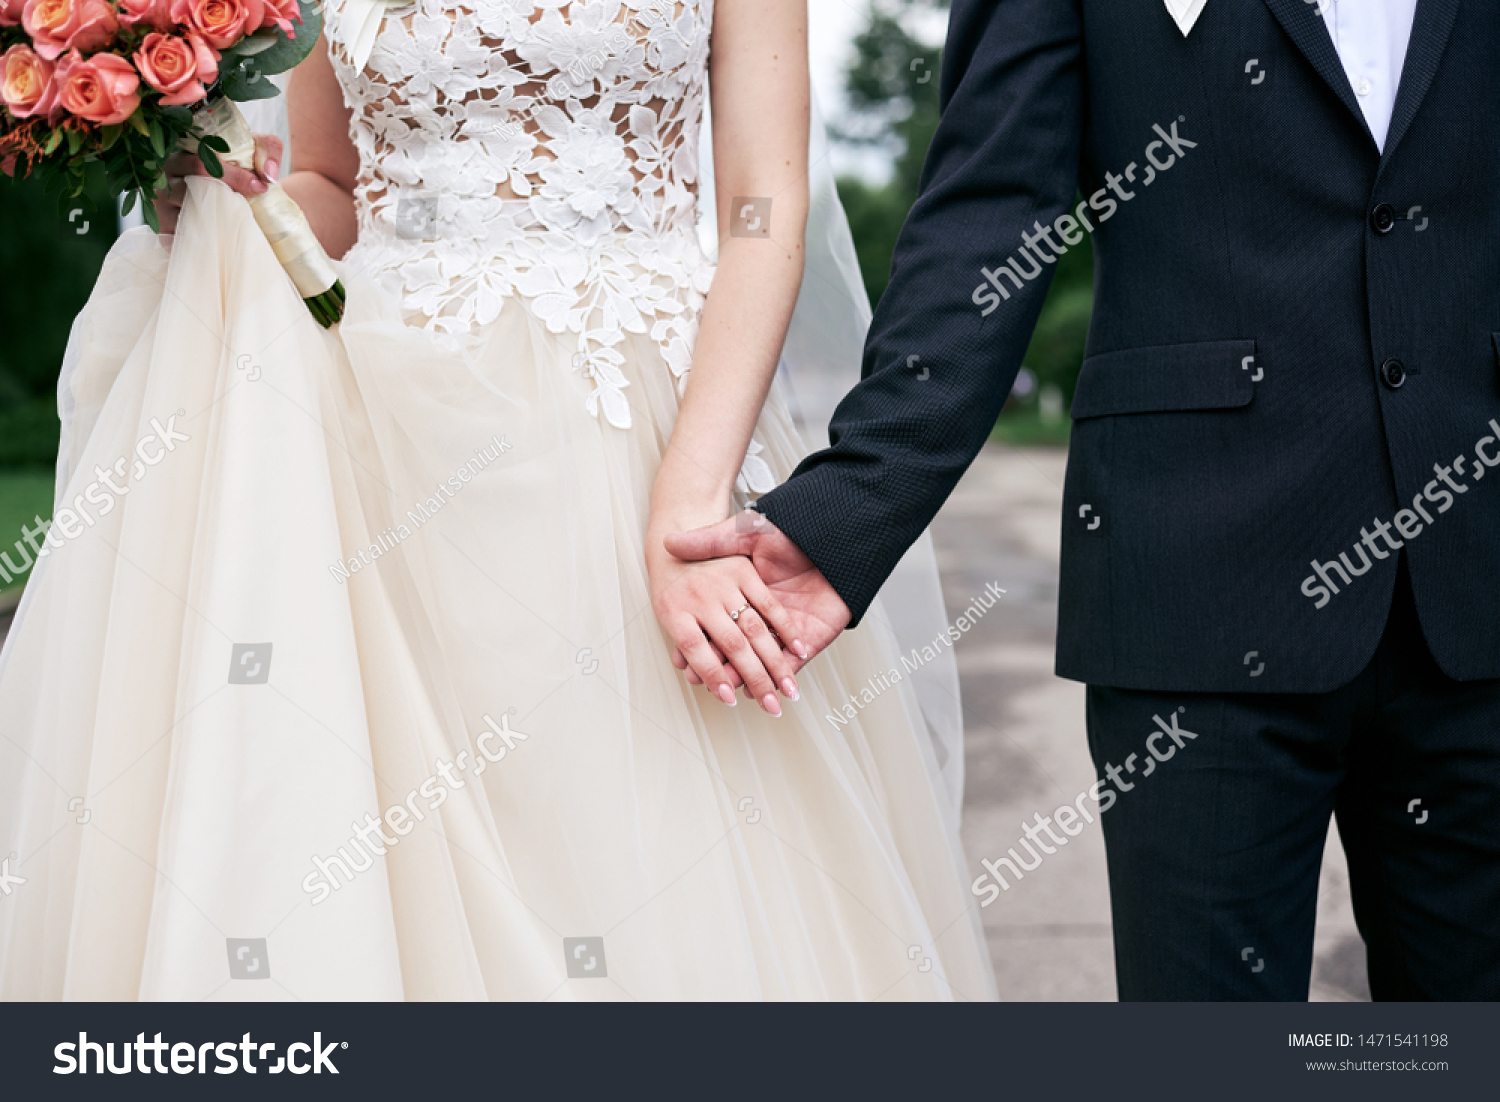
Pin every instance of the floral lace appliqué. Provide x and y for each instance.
(545, 150)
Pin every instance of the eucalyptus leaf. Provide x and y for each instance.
(242, 85)
(287, 53)
(259, 42)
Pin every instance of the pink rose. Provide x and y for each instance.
(154, 13)
(58, 25)
(10, 12)
(101, 89)
(176, 67)
(26, 82)
(282, 13)
(222, 23)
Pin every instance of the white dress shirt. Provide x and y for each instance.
(1372, 37)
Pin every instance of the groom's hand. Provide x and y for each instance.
(814, 607)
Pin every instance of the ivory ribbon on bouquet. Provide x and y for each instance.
(359, 24)
(1185, 13)
(279, 218)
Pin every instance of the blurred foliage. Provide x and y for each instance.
(49, 263)
(892, 85)
(24, 496)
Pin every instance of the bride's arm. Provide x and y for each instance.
(323, 153)
(759, 82)
(327, 162)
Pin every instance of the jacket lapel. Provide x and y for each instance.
(1303, 22)
(1429, 39)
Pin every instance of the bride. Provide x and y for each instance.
(338, 677)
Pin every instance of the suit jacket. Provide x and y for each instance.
(1294, 337)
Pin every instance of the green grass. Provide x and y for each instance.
(24, 496)
(1025, 427)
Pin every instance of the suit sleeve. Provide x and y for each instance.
(1004, 158)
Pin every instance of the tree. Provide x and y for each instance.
(51, 260)
(892, 84)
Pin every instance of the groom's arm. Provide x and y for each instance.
(936, 372)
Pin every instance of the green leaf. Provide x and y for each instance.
(129, 202)
(158, 139)
(287, 53)
(214, 142)
(248, 83)
(258, 42)
(108, 136)
(149, 210)
(210, 160)
(52, 142)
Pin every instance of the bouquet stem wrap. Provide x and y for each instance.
(279, 218)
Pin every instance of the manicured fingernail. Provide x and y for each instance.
(258, 188)
(789, 687)
(726, 694)
(798, 646)
(772, 705)
(273, 169)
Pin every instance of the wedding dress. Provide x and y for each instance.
(337, 676)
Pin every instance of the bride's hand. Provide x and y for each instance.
(180, 166)
(718, 610)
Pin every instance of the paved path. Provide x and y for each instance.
(1026, 752)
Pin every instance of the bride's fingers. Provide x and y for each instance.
(774, 612)
(268, 154)
(702, 658)
(243, 180)
(183, 164)
(731, 641)
(735, 681)
(769, 651)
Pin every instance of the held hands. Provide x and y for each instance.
(790, 611)
(179, 166)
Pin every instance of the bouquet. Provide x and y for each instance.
(96, 95)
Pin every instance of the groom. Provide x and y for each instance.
(1282, 511)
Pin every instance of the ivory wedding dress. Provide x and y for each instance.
(338, 676)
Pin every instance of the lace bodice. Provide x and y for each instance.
(545, 150)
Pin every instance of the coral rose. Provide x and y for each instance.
(154, 13)
(101, 89)
(222, 23)
(59, 25)
(176, 67)
(26, 82)
(282, 13)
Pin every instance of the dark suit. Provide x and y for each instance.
(1294, 337)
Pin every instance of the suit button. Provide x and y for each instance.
(1383, 218)
(1393, 374)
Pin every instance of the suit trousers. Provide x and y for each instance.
(1215, 836)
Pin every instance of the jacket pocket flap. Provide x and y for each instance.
(1166, 378)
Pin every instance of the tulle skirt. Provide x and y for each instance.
(338, 679)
